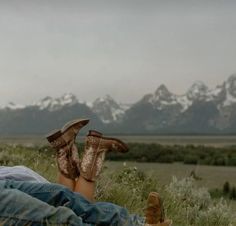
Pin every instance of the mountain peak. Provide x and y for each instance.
(54, 104)
(199, 85)
(162, 90)
(197, 90)
(161, 98)
(107, 109)
(231, 78)
(231, 85)
(68, 98)
(107, 100)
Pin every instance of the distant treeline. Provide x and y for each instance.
(189, 154)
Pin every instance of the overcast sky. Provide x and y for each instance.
(125, 48)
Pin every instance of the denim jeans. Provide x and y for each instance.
(29, 203)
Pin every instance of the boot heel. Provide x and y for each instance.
(55, 139)
(53, 135)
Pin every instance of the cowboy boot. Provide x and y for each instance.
(63, 141)
(71, 129)
(154, 212)
(96, 147)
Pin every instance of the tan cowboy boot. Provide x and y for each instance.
(96, 147)
(63, 141)
(155, 211)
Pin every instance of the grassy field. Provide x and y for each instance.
(128, 184)
(123, 183)
(209, 176)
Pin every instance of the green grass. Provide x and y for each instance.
(185, 203)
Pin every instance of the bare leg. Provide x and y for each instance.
(85, 188)
(69, 183)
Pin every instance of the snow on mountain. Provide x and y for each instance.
(230, 96)
(125, 107)
(53, 104)
(163, 94)
(161, 98)
(231, 85)
(223, 95)
(107, 109)
(214, 94)
(14, 106)
(184, 102)
(197, 91)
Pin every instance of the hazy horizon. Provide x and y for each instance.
(122, 48)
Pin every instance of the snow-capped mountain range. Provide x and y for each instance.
(56, 104)
(199, 110)
(223, 95)
(106, 108)
(49, 103)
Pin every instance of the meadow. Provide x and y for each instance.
(208, 176)
(185, 188)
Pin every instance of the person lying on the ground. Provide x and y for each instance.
(34, 203)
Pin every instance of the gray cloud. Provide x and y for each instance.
(124, 48)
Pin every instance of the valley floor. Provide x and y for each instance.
(209, 176)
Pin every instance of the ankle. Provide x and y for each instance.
(86, 188)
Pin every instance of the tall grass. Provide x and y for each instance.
(184, 203)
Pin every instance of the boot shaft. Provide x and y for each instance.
(96, 147)
(91, 163)
(63, 141)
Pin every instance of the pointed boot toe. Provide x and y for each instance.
(116, 145)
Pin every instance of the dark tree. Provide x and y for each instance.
(226, 188)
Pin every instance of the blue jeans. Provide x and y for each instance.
(29, 203)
